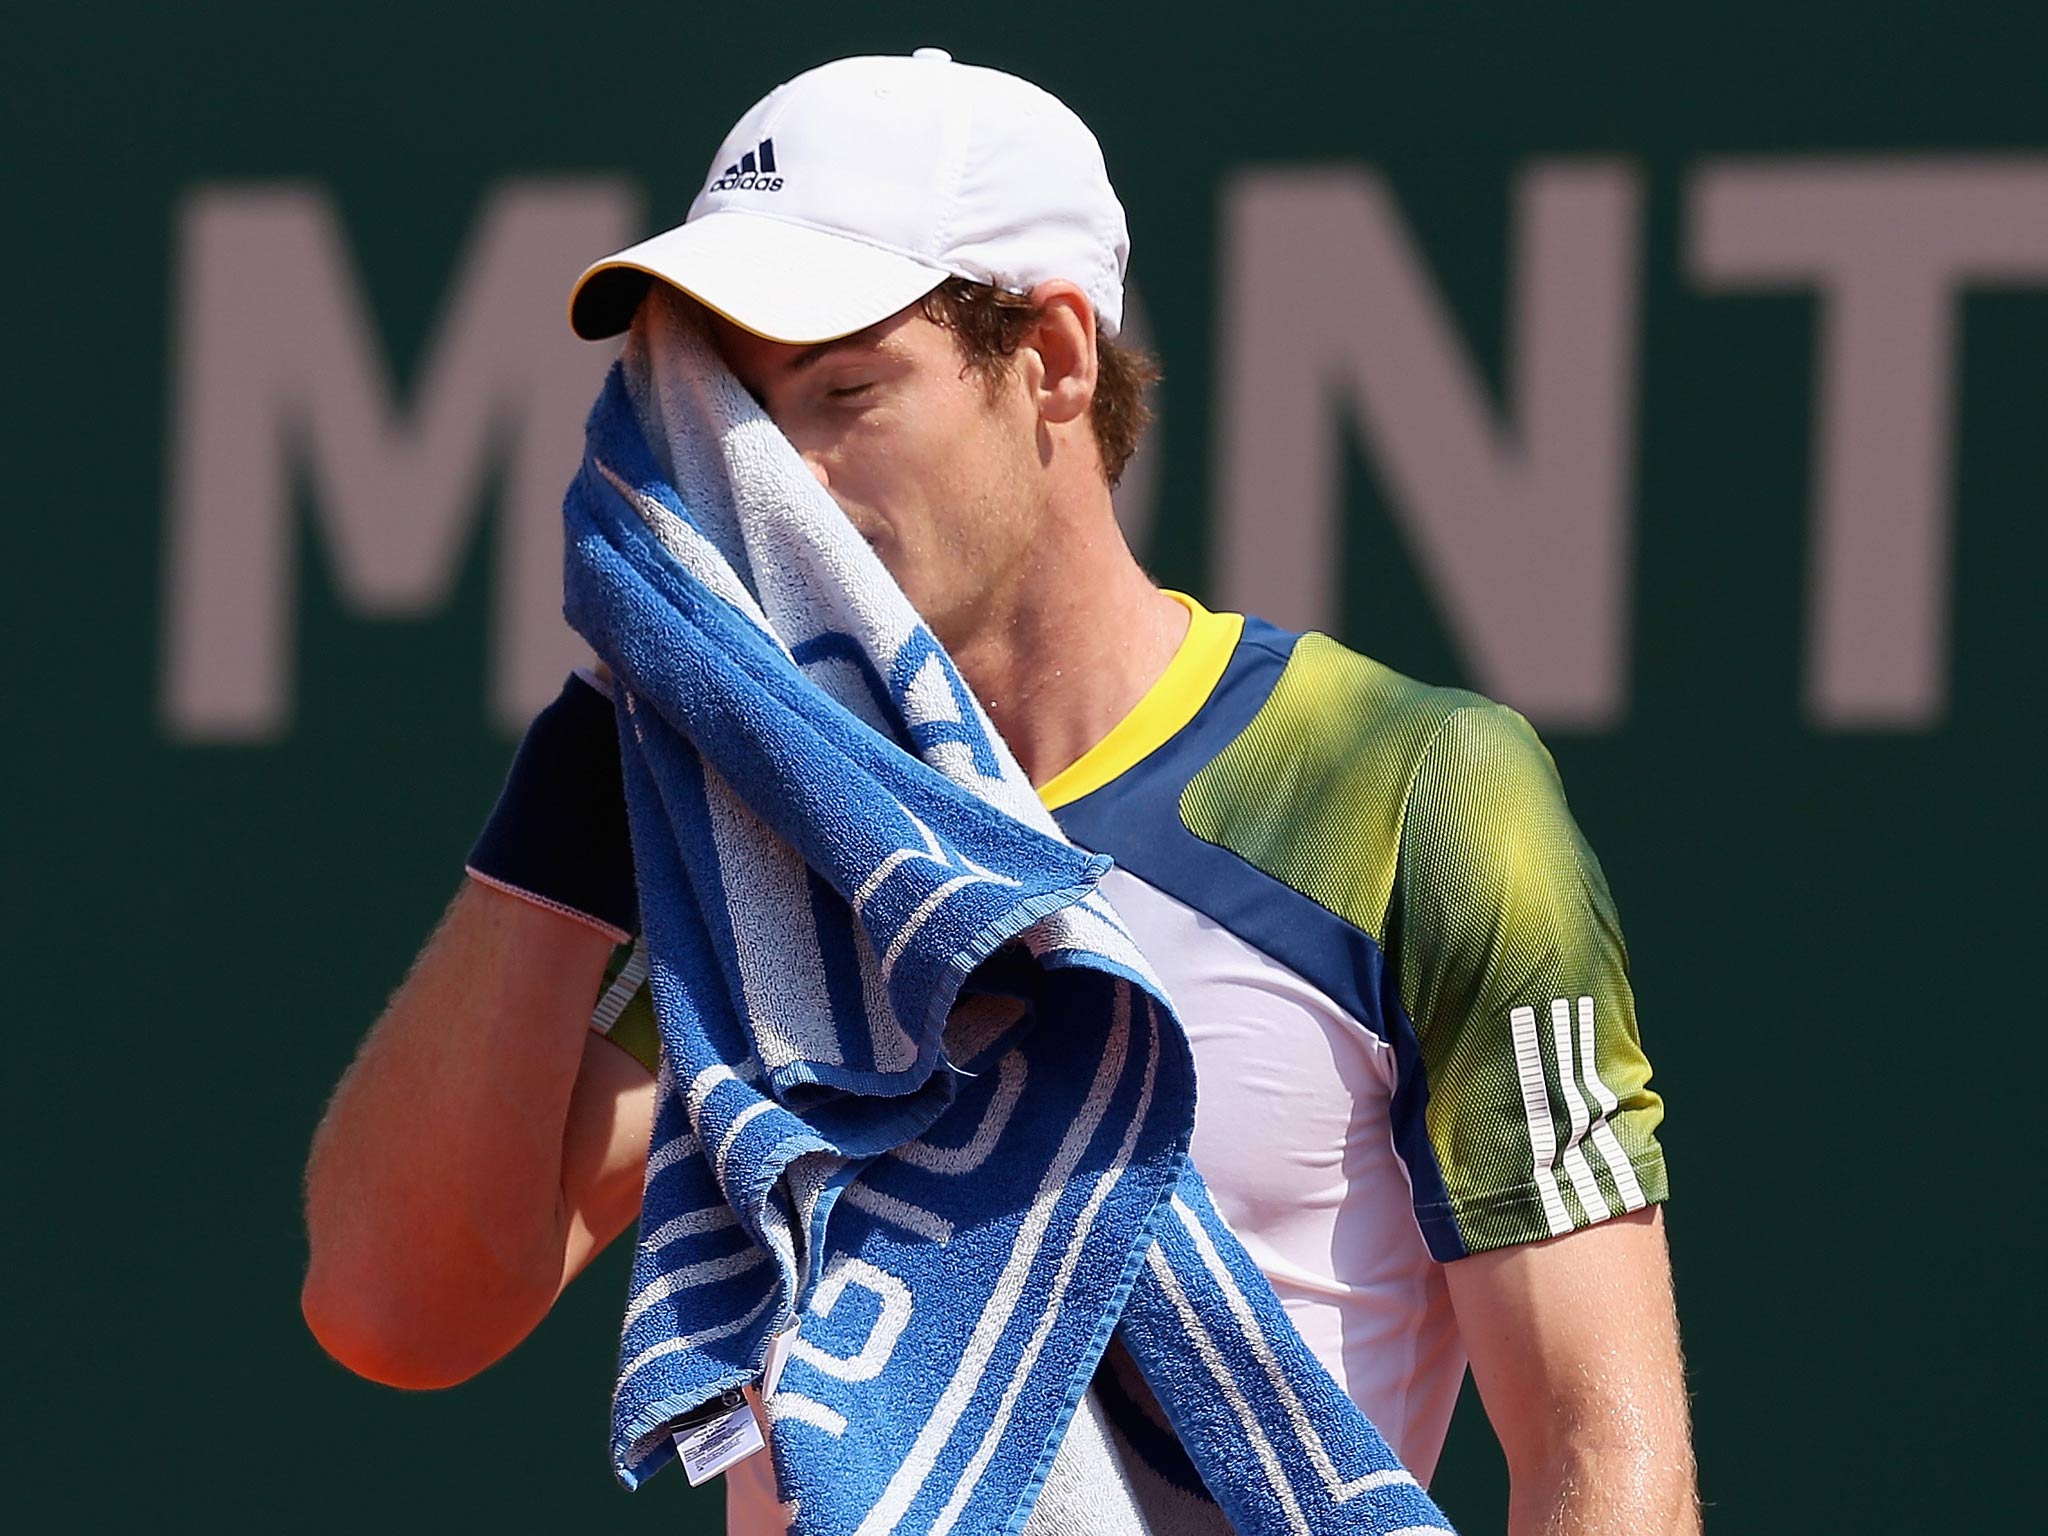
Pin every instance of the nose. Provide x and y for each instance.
(815, 463)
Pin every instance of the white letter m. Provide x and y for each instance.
(277, 365)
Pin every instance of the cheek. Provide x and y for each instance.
(920, 451)
(976, 444)
(928, 473)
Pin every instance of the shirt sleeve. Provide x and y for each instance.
(624, 1013)
(1511, 967)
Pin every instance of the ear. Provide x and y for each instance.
(1062, 344)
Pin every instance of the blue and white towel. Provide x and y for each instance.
(920, 1093)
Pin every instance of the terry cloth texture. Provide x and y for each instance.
(920, 1097)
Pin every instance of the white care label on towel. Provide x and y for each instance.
(717, 1435)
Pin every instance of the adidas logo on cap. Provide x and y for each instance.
(754, 171)
(884, 174)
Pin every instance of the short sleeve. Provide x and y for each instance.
(1510, 965)
(624, 1013)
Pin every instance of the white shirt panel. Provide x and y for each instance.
(1294, 1138)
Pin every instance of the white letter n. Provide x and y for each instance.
(1522, 530)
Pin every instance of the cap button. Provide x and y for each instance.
(939, 54)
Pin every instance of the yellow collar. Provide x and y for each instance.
(1183, 688)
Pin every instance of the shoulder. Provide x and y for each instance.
(1485, 828)
(1338, 702)
(1314, 788)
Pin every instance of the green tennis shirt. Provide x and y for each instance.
(1405, 851)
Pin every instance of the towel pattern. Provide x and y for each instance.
(921, 1098)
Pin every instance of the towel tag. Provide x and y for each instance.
(778, 1351)
(720, 1433)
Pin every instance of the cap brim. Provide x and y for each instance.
(787, 282)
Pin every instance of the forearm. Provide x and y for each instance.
(434, 1202)
(1606, 1486)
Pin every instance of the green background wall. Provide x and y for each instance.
(1835, 932)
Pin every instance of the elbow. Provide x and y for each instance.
(1629, 1481)
(400, 1336)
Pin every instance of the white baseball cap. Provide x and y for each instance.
(861, 185)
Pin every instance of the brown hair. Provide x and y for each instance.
(989, 325)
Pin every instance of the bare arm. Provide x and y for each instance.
(1574, 1346)
(481, 1149)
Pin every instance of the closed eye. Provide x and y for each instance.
(849, 391)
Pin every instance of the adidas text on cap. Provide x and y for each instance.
(861, 185)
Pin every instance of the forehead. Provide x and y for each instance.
(907, 335)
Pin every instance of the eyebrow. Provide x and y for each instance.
(813, 354)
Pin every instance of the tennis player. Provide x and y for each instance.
(1424, 1102)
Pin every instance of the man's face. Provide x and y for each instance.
(940, 474)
